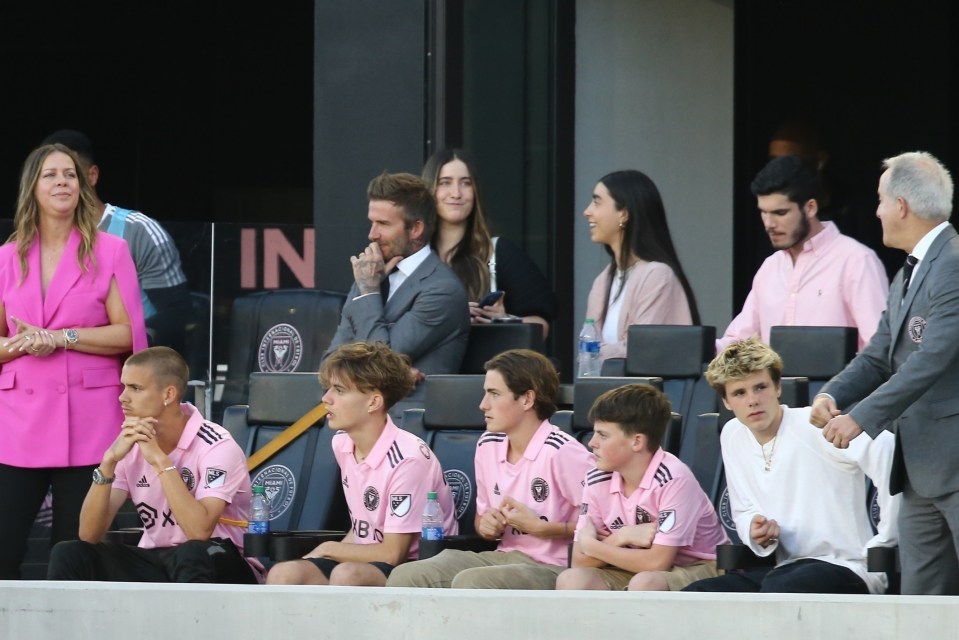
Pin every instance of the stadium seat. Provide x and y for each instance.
(302, 480)
(585, 392)
(488, 340)
(451, 423)
(280, 331)
(817, 353)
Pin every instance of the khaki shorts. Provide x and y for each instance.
(676, 578)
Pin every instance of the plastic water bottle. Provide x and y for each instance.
(588, 360)
(260, 511)
(432, 518)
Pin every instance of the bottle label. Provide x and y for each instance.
(588, 346)
(259, 526)
(432, 533)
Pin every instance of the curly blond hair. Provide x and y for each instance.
(740, 360)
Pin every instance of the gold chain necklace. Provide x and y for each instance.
(772, 449)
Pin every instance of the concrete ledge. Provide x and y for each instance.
(121, 611)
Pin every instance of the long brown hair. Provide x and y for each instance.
(469, 259)
(26, 221)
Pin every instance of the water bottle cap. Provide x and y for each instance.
(431, 495)
(259, 488)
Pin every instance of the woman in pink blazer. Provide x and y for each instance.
(644, 283)
(71, 307)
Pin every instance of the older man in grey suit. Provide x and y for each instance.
(907, 379)
(403, 294)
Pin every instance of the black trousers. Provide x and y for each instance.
(214, 560)
(802, 576)
(23, 492)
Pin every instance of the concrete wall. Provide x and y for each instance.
(654, 92)
(41, 610)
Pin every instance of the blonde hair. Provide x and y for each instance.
(26, 221)
(740, 360)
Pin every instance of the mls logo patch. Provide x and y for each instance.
(916, 326)
(400, 504)
(215, 478)
(667, 520)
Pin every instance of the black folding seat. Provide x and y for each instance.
(817, 353)
(488, 340)
(282, 331)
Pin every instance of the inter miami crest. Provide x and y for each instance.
(643, 516)
(280, 349)
(539, 489)
(371, 498)
(461, 488)
(187, 476)
(280, 485)
(916, 326)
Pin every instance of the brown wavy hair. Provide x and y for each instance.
(26, 221)
(469, 259)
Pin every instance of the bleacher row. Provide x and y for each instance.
(302, 479)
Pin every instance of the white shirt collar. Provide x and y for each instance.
(922, 247)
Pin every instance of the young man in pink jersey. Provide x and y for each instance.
(528, 486)
(386, 473)
(187, 477)
(645, 523)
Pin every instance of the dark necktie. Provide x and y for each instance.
(911, 262)
(385, 288)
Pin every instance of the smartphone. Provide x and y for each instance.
(491, 298)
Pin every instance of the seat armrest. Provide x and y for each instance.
(730, 557)
(280, 546)
(883, 559)
(430, 548)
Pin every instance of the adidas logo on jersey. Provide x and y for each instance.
(142, 482)
(617, 524)
(496, 489)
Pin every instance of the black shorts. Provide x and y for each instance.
(326, 566)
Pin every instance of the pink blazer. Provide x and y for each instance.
(62, 410)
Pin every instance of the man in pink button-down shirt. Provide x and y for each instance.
(818, 277)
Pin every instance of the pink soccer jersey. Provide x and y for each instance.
(386, 493)
(668, 494)
(210, 463)
(548, 479)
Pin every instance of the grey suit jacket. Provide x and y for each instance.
(427, 318)
(907, 377)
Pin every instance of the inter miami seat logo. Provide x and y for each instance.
(280, 349)
(461, 489)
(371, 498)
(280, 485)
(539, 489)
(726, 511)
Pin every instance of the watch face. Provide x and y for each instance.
(72, 335)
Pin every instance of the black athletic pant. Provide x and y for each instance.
(213, 560)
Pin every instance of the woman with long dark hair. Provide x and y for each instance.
(644, 283)
(482, 262)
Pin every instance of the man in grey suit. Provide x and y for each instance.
(403, 294)
(907, 379)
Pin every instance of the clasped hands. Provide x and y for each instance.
(141, 432)
(839, 429)
(511, 512)
(31, 340)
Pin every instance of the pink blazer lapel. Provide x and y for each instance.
(66, 275)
